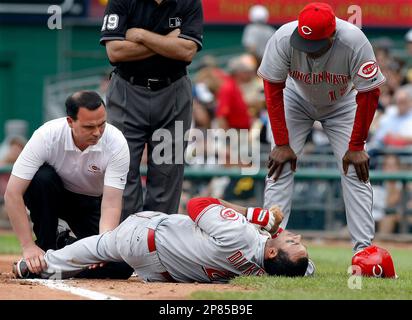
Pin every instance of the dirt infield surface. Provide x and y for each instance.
(135, 289)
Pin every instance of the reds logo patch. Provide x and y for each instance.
(368, 70)
(229, 214)
(93, 168)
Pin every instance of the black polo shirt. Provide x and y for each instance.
(121, 15)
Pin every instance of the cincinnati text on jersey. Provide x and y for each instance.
(315, 78)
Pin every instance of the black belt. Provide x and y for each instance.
(155, 83)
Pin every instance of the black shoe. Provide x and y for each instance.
(21, 270)
(64, 239)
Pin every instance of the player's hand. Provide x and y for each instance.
(262, 231)
(135, 34)
(174, 33)
(34, 257)
(360, 161)
(261, 217)
(277, 159)
(278, 215)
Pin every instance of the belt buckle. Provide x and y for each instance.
(150, 81)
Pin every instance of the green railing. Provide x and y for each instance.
(5, 169)
(301, 174)
(309, 175)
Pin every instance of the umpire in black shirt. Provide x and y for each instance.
(151, 42)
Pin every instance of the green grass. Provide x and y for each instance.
(9, 244)
(330, 282)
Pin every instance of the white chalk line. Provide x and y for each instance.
(63, 286)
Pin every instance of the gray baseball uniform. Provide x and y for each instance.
(324, 89)
(219, 245)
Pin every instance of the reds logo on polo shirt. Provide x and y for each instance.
(368, 70)
(93, 168)
(229, 214)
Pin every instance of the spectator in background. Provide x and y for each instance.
(210, 74)
(394, 74)
(252, 90)
(387, 198)
(257, 32)
(408, 40)
(386, 98)
(392, 69)
(241, 189)
(204, 105)
(382, 47)
(16, 145)
(395, 127)
(232, 110)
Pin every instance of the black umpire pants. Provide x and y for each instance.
(139, 112)
(48, 200)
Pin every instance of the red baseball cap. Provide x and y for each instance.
(316, 23)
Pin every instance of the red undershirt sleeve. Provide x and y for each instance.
(196, 205)
(276, 110)
(367, 103)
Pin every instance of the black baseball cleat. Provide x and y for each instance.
(21, 270)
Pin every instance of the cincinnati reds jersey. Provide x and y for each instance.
(220, 245)
(350, 62)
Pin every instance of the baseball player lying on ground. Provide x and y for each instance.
(214, 243)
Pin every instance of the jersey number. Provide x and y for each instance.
(218, 275)
(110, 22)
(332, 96)
(332, 93)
